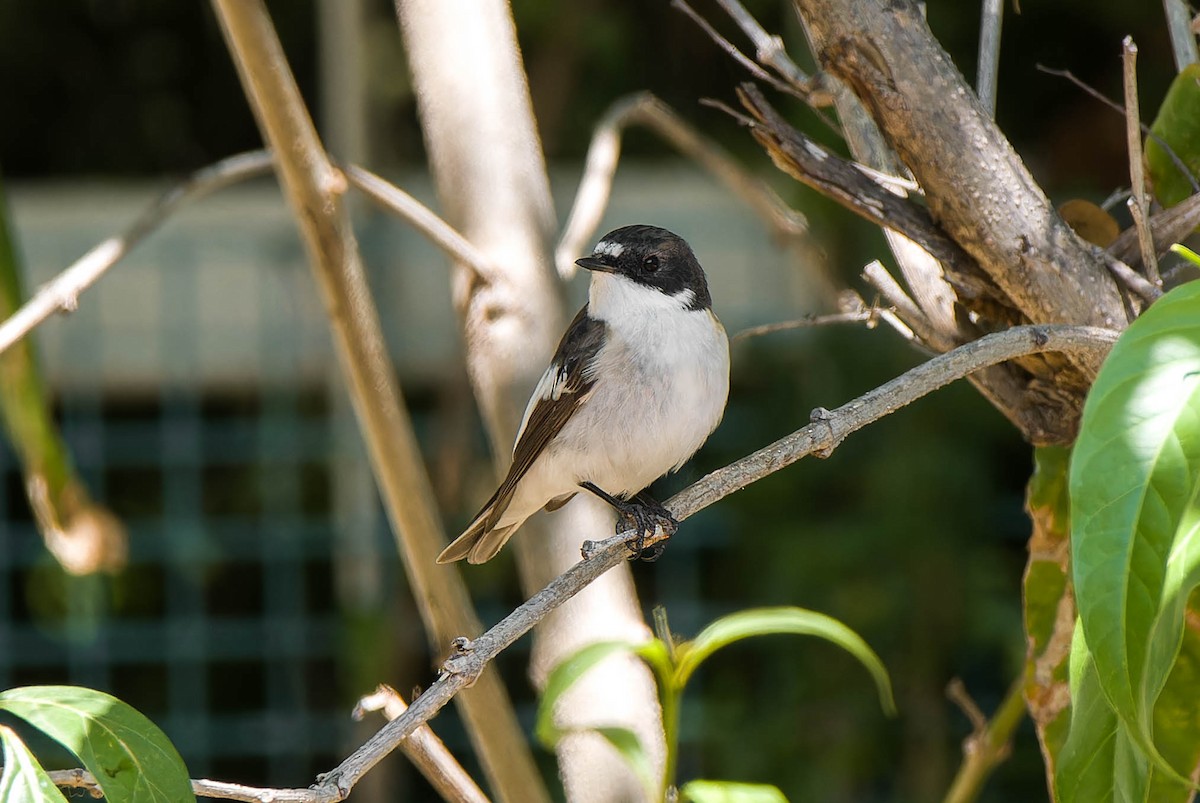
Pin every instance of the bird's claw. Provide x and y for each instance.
(644, 518)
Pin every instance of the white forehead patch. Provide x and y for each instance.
(609, 248)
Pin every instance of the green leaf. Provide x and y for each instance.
(563, 677)
(22, 777)
(1186, 253)
(627, 743)
(775, 621)
(131, 759)
(729, 792)
(1098, 762)
(1135, 473)
(1176, 723)
(1049, 606)
(1178, 125)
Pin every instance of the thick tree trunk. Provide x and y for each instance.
(977, 189)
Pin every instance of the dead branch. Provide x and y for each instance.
(1139, 202)
(425, 750)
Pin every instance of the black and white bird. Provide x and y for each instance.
(638, 383)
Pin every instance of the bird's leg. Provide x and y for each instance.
(641, 513)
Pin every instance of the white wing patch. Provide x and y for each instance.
(609, 248)
(549, 388)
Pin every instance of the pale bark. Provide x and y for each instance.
(489, 170)
(314, 188)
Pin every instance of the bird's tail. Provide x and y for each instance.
(482, 540)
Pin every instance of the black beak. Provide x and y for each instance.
(595, 263)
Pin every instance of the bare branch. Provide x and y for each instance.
(422, 218)
(769, 50)
(1132, 279)
(737, 55)
(1180, 165)
(989, 53)
(218, 790)
(828, 429)
(1168, 226)
(424, 749)
(62, 294)
(973, 178)
(1139, 204)
(869, 316)
(990, 741)
(644, 109)
(839, 179)
(877, 276)
(1183, 40)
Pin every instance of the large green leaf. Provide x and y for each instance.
(22, 778)
(1177, 718)
(131, 759)
(1135, 472)
(1178, 125)
(777, 621)
(1098, 763)
(730, 792)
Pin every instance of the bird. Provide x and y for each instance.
(638, 382)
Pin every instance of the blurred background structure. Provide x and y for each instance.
(196, 389)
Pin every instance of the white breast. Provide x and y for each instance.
(662, 383)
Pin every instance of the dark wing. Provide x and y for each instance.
(559, 393)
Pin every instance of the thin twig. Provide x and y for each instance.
(1167, 226)
(1132, 279)
(957, 693)
(876, 275)
(737, 55)
(62, 294)
(1183, 40)
(425, 750)
(868, 316)
(769, 50)
(422, 218)
(1138, 203)
(989, 743)
(827, 430)
(990, 27)
(604, 152)
(201, 787)
(1180, 165)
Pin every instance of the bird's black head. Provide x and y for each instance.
(652, 257)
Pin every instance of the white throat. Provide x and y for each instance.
(613, 297)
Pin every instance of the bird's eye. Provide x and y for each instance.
(650, 264)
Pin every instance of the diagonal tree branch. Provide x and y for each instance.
(821, 437)
(313, 188)
(62, 294)
(827, 430)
